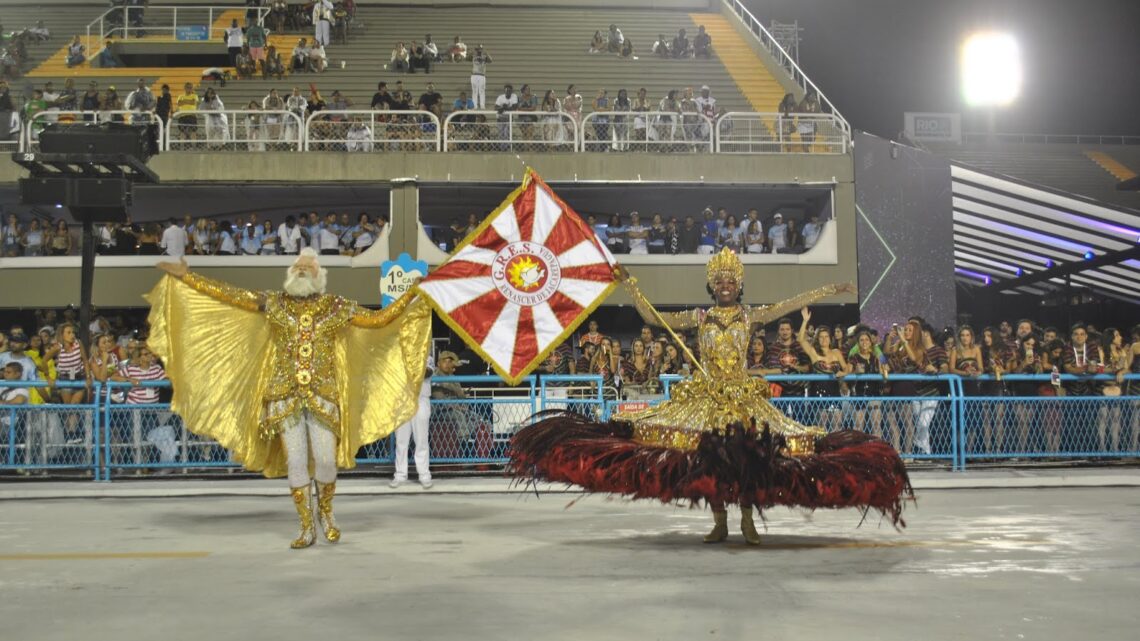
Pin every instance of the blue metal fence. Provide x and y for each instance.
(941, 418)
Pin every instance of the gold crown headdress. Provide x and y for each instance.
(725, 263)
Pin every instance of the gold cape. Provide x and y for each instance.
(218, 358)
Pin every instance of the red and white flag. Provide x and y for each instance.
(523, 281)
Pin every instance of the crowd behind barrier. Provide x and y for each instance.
(111, 436)
(257, 129)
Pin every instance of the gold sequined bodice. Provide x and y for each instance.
(304, 335)
(723, 336)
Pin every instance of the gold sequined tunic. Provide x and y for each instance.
(727, 395)
(241, 362)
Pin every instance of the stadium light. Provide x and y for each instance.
(991, 69)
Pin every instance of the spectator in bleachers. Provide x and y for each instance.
(163, 105)
(754, 237)
(507, 102)
(710, 232)
(400, 57)
(597, 43)
(627, 48)
(7, 108)
(318, 59)
(806, 126)
(615, 39)
(328, 237)
(702, 43)
(11, 233)
(60, 242)
(364, 234)
(185, 108)
(418, 58)
(250, 240)
(680, 47)
(39, 33)
(794, 237)
(234, 41)
(661, 47)
(431, 50)
(12, 395)
(278, 15)
(273, 102)
(33, 239)
(479, 61)
(217, 131)
(457, 52)
(298, 106)
(812, 230)
(272, 65)
(431, 100)
(322, 21)
(174, 240)
(111, 103)
(142, 102)
(637, 235)
(602, 123)
(148, 240)
(76, 53)
(9, 64)
(462, 103)
(289, 236)
(268, 239)
(688, 236)
(777, 234)
(731, 235)
(615, 235)
(572, 104)
(36, 105)
(358, 137)
(299, 59)
(657, 234)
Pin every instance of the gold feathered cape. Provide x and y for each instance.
(218, 360)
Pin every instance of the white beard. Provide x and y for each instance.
(300, 285)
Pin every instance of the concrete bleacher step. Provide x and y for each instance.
(541, 46)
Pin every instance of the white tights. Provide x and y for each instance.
(305, 436)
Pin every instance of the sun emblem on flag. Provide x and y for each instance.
(525, 273)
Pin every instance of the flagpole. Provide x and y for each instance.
(631, 285)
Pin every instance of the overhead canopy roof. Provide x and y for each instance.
(1005, 228)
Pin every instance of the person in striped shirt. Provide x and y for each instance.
(144, 368)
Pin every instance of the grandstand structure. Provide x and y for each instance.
(747, 150)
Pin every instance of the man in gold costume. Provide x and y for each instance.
(292, 381)
(718, 439)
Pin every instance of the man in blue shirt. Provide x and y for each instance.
(709, 232)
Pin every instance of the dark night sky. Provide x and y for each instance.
(878, 58)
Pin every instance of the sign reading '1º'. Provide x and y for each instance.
(398, 276)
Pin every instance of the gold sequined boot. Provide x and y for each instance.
(747, 527)
(301, 501)
(325, 492)
(720, 528)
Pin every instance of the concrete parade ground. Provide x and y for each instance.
(1049, 555)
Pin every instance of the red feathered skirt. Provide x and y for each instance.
(742, 465)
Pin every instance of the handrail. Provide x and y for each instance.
(767, 40)
(231, 127)
(514, 118)
(777, 135)
(694, 128)
(410, 117)
(124, 28)
(1051, 139)
(96, 116)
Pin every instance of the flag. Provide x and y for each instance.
(523, 281)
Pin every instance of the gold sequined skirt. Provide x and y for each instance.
(701, 405)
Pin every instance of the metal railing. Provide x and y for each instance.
(135, 22)
(757, 133)
(34, 126)
(945, 421)
(488, 131)
(255, 130)
(1058, 139)
(769, 42)
(372, 131)
(235, 130)
(663, 131)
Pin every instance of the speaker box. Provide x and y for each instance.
(91, 138)
(100, 199)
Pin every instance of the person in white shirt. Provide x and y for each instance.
(417, 429)
(458, 50)
(329, 240)
(289, 236)
(234, 41)
(811, 231)
(479, 61)
(322, 20)
(637, 234)
(507, 102)
(227, 246)
(359, 136)
(706, 104)
(778, 234)
(174, 239)
(296, 105)
(431, 50)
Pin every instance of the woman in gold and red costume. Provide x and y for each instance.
(718, 440)
(292, 382)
